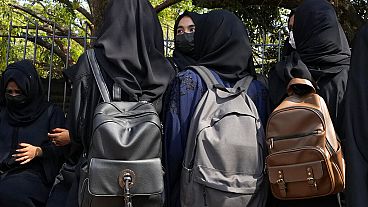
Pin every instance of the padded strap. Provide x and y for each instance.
(98, 75)
(244, 83)
(206, 75)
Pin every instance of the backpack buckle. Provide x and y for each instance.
(126, 182)
(281, 183)
(310, 178)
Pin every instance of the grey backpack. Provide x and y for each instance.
(123, 162)
(225, 152)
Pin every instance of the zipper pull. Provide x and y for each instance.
(271, 145)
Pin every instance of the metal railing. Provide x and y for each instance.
(31, 39)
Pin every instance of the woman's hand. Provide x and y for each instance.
(59, 136)
(27, 153)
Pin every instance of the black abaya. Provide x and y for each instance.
(355, 123)
(322, 55)
(28, 185)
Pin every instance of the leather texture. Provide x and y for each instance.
(126, 140)
(305, 158)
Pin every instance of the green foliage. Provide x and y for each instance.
(266, 27)
(54, 12)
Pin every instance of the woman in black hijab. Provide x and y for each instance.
(355, 123)
(322, 46)
(183, 55)
(130, 53)
(221, 43)
(322, 55)
(29, 161)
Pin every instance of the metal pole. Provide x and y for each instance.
(35, 44)
(263, 48)
(167, 41)
(279, 47)
(66, 66)
(51, 62)
(8, 43)
(25, 43)
(85, 37)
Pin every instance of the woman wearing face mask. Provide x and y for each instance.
(322, 55)
(289, 44)
(29, 161)
(222, 45)
(184, 29)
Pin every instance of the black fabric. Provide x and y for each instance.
(24, 189)
(131, 50)
(27, 79)
(322, 47)
(281, 74)
(181, 60)
(319, 39)
(35, 134)
(287, 49)
(218, 36)
(356, 110)
(355, 123)
(322, 55)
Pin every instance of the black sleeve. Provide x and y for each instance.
(52, 156)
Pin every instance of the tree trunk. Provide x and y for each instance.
(97, 11)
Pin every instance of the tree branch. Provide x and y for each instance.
(48, 46)
(47, 21)
(80, 9)
(166, 4)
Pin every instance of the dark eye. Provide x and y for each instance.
(179, 31)
(10, 91)
(191, 30)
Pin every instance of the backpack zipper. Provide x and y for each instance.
(278, 138)
(204, 196)
(317, 112)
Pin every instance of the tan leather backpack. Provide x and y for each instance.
(305, 158)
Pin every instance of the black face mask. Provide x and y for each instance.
(15, 101)
(185, 43)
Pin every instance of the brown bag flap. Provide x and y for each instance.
(296, 172)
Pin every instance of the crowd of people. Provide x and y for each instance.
(42, 153)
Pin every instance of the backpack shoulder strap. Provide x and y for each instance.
(96, 71)
(244, 83)
(206, 76)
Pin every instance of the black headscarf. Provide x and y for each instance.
(356, 106)
(24, 74)
(319, 38)
(130, 49)
(181, 60)
(222, 44)
(287, 49)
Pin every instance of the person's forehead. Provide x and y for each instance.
(185, 21)
(12, 84)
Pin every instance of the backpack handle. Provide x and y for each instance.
(300, 86)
